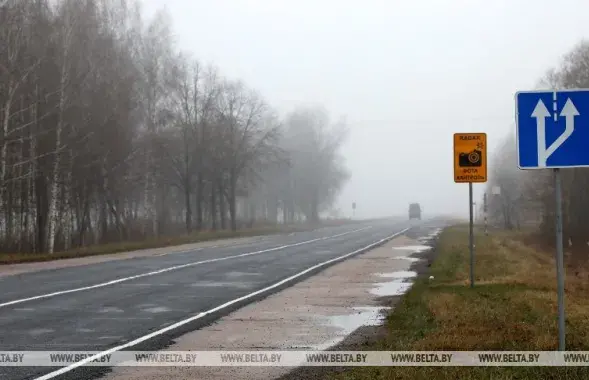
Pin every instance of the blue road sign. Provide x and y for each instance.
(552, 129)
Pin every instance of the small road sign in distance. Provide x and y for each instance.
(552, 129)
(470, 157)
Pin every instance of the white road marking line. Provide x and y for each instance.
(135, 342)
(169, 269)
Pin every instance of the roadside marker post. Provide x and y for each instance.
(470, 165)
(495, 193)
(546, 141)
(485, 209)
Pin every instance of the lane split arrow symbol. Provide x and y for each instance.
(540, 113)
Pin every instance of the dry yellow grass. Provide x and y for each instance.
(512, 307)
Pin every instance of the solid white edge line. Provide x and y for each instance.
(169, 269)
(135, 342)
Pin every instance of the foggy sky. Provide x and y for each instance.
(406, 74)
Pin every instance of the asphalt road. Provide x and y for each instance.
(100, 306)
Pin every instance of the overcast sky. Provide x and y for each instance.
(407, 74)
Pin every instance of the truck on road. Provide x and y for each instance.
(414, 211)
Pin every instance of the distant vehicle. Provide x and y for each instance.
(414, 211)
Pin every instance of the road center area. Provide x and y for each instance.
(314, 314)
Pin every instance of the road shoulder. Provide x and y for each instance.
(371, 337)
(512, 307)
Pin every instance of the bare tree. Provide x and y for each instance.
(316, 172)
(108, 133)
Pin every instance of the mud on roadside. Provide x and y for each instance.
(367, 336)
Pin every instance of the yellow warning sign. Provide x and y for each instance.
(470, 157)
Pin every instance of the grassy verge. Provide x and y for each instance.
(16, 258)
(512, 307)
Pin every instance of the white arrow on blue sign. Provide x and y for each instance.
(552, 129)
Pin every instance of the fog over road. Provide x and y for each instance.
(100, 306)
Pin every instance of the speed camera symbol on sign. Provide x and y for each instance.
(470, 157)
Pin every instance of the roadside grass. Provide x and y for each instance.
(512, 307)
(103, 249)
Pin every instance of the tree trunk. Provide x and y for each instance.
(213, 206)
(3, 151)
(68, 205)
(272, 207)
(284, 213)
(116, 211)
(314, 211)
(24, 216)
(252, 214)
(163, 212)
(187, 194)
(9, 213)
(54, 192)
(199, 201)
(84, 223)
(154, 210)
(232, 206)
(293, 214)
(41, 200)
(222, 212)
(103, 239)
(146, 210)
(34, 195)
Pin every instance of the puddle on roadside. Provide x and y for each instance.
(408, 258)
(399, 274)
(392, 288)
(348, 323)
(414, 248)
(399, 286)
(363, 316)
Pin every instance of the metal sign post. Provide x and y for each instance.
(471, 236)
(485, 208)
(559, 261)
(475, 211)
